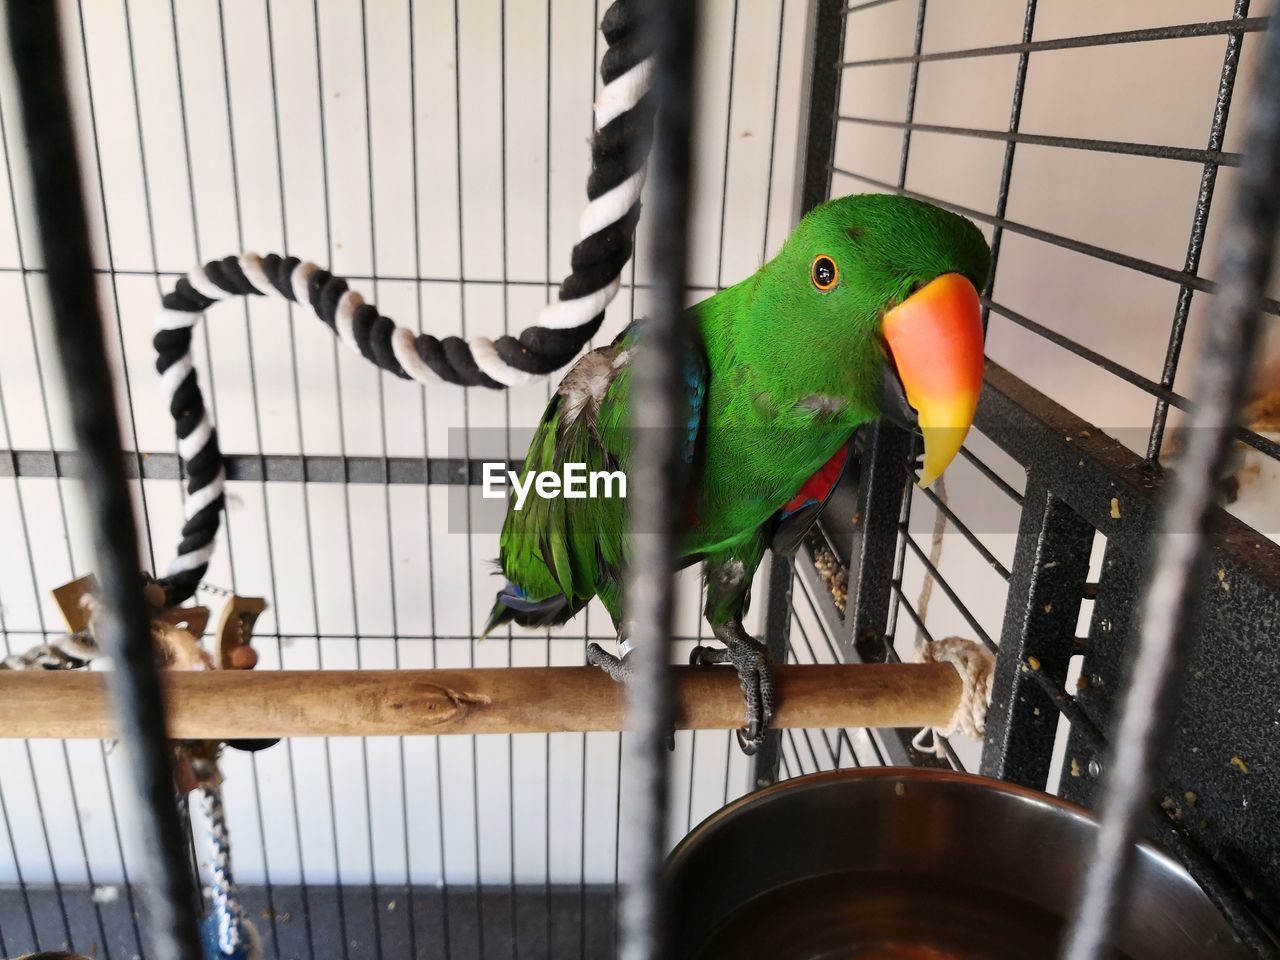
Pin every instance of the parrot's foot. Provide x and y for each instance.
(618, 668)
(751, 660)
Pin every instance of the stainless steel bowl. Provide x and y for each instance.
(907, 864)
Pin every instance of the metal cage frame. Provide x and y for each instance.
(1074, 475)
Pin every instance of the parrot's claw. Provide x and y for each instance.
(751, 660)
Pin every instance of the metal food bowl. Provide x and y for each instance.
(913, 864)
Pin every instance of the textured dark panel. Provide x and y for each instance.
(1229, 705)
(1050, 566)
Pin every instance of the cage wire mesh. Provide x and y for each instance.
(1083, 175)
(434, 154)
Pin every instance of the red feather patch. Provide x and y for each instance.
(818, 487)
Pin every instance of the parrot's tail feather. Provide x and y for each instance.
(512, 606)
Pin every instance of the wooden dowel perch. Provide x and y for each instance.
(230, 704)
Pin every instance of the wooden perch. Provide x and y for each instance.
(231, 704)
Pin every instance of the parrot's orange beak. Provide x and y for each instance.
(935, 338)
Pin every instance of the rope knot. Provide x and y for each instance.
(976, 666)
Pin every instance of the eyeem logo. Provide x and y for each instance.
(575, 483)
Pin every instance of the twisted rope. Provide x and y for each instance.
(606, 228)
(233, 928)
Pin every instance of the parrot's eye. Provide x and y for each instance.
(823, 272)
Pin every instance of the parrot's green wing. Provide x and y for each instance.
(559, 552)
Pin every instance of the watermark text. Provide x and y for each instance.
(573, 482)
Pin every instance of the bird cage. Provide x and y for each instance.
(1110, 524)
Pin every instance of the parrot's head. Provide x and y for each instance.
(880, 298)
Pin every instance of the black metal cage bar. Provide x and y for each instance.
(659, 393)
(35, 44)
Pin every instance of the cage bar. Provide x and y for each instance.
(36, 49)
(658, 394)
(1212, 28)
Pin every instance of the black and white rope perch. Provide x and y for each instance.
(229, 931)
(606, 229)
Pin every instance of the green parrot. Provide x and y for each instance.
(869, 309)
